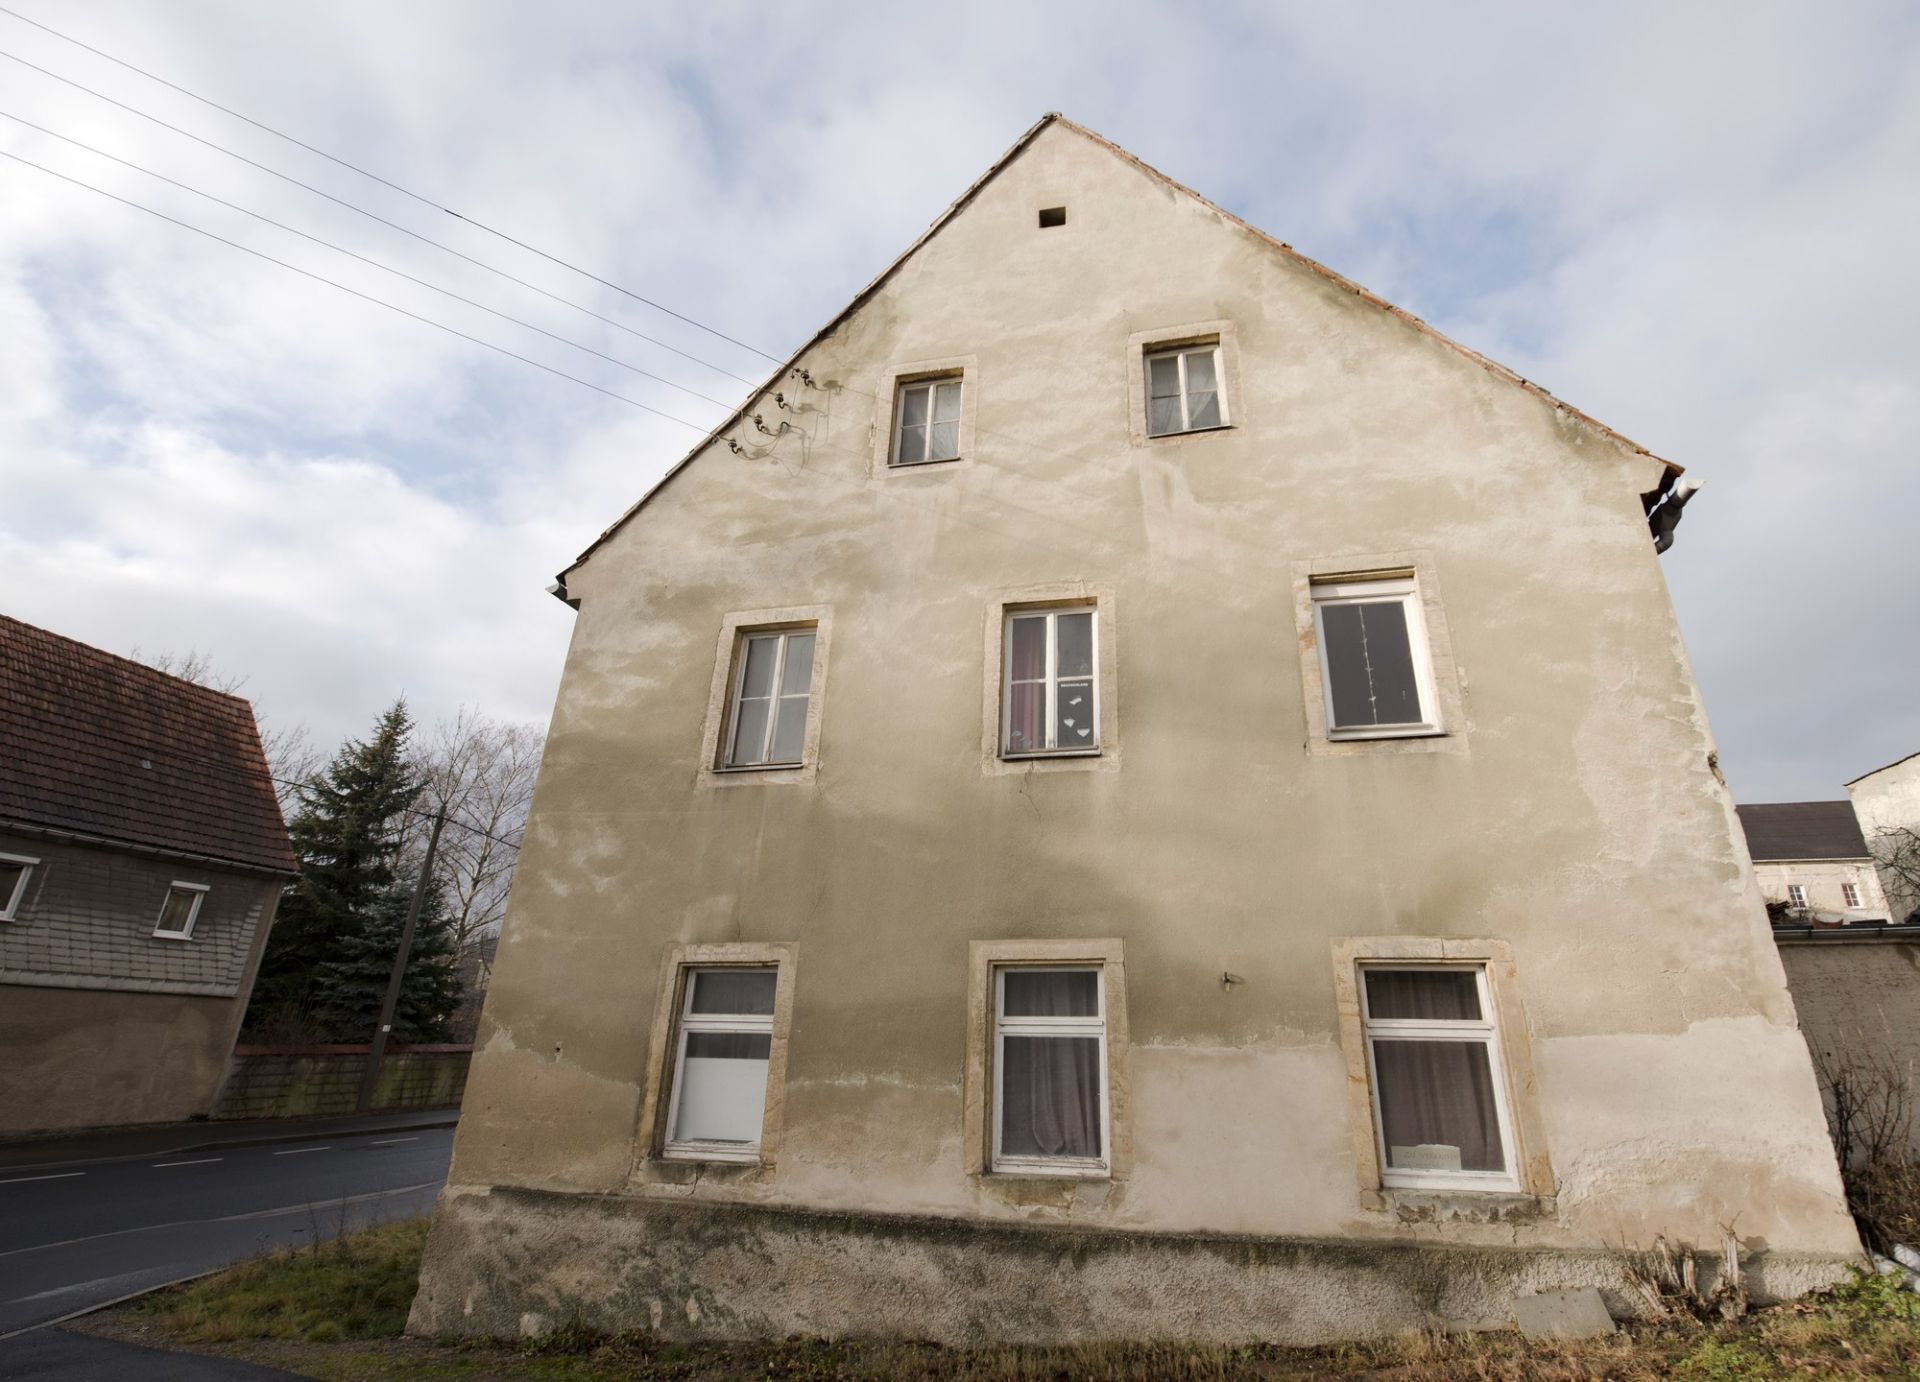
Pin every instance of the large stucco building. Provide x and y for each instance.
(1887, 801)
(142, 854)
(1150, 793)
(1810, 858)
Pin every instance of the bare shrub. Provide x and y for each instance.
(1869, 1100)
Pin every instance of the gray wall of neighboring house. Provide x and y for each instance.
(1568, 828)
(101, 1021)
(1825, 883)
(1859, 1003)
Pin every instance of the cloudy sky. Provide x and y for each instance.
(1696, 222)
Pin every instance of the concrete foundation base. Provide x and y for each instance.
(505, 1263)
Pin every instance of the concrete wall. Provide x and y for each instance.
(103, 1023)
(1825, 880)
(1859, 1001)
(1571, 812)
(280, 1082)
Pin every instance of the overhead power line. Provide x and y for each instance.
(384, 182)
(370, 215)
(366, 297)
(385, 268)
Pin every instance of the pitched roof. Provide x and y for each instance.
(1020, 145)
(108, 747)
(1802, 830)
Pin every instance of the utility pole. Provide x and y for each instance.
(375, 1052)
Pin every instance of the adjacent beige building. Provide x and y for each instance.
(1146, 793)
(1811, 860)
(1887, 801)
(142, 854)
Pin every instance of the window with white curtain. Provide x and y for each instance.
(773, 684)
(1050, 694)
(1183, 390)
(1050, 1070)
(1376, 671)
(718, 1100)
(15, 870)
(926, 421)
(1433, 1057)
(180, 911)
(1852, 891)
(1796, 895)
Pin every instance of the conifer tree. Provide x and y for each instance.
(353, 983)
(346, 835)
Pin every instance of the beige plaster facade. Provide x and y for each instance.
(1824, 884)
(1565, 828)
(1887, 800)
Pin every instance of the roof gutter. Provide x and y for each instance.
(1860, 933)
(80, 837)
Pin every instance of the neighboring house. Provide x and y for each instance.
(142, 854)
(1888, 802)
(1811, 857)
(1134, 790)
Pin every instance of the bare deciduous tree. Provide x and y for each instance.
(482, 769)
(1896, 853)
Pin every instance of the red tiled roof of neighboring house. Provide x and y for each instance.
(1802, 830)
(103, 746)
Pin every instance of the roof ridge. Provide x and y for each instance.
(145, 668)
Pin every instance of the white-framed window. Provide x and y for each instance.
(1433, 1062)
(772, 686)
(1050, 696)
(1050, 1113)
(926, 421)
(180, 911)
(15, 870)
(1796, 895)
(1376, 669)
(1852, 893)
(717, 1104)
(1183, 390)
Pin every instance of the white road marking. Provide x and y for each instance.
(62, 1175)
(203, 1161)
(390, 1141)
(300, 1151)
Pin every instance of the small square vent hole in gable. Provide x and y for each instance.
(1051, 216)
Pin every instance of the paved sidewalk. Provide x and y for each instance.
(113, 1145)
(60, 1356)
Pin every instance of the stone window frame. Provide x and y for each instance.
(1141, 344)
(199, 891)
(650, 1159)
(1532, 1168)
(733, 630)
(10, 906)
(984, 959)
(965, 368)
(1064, 595)
(1443, 672)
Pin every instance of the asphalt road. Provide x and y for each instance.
(79, 1234)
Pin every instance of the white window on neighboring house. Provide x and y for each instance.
(1050, 699)
(1433, 1057)
(180, 911)
(767, 724)
(718, 1101)
(15, 870)
(1183, 390)
(1050, 1070)
(1375, 667)
(1852, 892)
(1796, 895)
(927, 421)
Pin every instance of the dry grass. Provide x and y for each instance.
(335, 1312)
